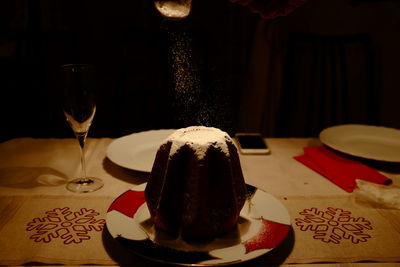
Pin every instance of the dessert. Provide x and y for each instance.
(196, 187)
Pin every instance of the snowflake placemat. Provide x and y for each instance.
(340, 229)
(53, 230)
(70, 230)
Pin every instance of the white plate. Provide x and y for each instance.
(370, 142)
(263, 224)
(137, 151)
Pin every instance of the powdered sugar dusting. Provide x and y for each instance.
(200, 138)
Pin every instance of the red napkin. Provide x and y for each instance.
(339, 170)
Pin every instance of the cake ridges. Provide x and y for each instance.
(196, 194)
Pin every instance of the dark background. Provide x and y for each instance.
(255, 75)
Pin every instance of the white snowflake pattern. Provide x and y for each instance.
(72, 227)
(334, 225)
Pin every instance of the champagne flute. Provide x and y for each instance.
(79, 108)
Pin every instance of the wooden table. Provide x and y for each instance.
(37, 169)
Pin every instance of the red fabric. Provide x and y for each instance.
(339, 170)
(270, 236)
(128, 203)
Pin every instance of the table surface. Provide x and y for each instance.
(40, 167)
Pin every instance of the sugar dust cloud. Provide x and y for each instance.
(198, 100)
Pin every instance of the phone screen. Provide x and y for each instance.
(251, 142)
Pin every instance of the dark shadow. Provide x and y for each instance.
(123, 174)
(390, 167)
(29, 177)
(123, 255)
(123, 251)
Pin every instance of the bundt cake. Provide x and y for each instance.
(196, 187)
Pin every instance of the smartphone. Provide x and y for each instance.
(252, 143)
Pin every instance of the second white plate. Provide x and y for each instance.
(137, 151)
(370, 142)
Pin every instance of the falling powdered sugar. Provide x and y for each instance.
(185, 75)
(192, 109)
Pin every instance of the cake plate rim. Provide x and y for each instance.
(126, 217)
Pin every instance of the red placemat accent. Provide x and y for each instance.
(339, 170)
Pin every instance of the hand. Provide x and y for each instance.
(270, 9)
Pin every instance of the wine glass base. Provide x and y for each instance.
(85, 185)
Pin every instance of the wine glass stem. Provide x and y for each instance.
(82, 139)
